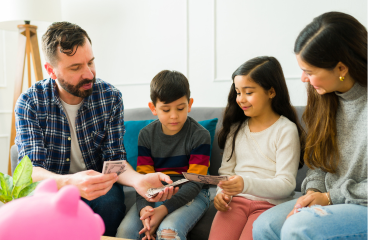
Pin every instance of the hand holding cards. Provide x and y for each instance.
(152, 192)
(207, 179)
(117, 167)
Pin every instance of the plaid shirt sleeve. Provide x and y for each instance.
(29, 138)
(113, 147)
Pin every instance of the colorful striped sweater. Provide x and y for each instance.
(186, 151)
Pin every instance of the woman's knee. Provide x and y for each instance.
(304, 223)
(262, 226)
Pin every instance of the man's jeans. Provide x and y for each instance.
(340, 221)
(181, 221)
(110, 207)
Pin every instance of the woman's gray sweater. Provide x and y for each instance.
(349, 183)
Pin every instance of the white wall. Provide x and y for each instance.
(204, 39)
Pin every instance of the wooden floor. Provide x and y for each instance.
(112, 238)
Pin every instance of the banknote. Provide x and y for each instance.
(152, 192)
(207, 179)
(117, 167)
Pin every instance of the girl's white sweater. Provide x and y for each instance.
(267, 161)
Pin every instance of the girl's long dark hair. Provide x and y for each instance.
(266, 72)
(330, 38)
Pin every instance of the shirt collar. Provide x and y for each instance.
(354, 93)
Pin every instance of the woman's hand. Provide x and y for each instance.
(233, 186)
(310, 199)
(221, 202)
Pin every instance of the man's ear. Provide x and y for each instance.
(50, 70)
(190, 104)
(153, 108)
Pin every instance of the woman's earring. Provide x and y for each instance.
(342, 79)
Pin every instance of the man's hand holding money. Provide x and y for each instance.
(92, 184)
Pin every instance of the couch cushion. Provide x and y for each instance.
(132, 129)
(210, 125)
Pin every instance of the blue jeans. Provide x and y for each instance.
(181, 220)
(340, 221)
(110, 207)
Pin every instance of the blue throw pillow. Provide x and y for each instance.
(210, 125)
(133, 128)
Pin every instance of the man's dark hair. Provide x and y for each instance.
(64, 34)
(168, 86)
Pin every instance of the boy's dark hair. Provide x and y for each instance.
(65, 34)
(168, 86)
(266, 72)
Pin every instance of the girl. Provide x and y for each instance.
(332, 52)
(260, 137)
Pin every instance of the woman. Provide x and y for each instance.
(332, 52)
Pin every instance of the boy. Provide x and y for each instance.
(173, 144)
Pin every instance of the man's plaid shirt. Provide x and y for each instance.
(43, 129)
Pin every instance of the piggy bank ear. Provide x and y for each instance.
(100, 223)
(46, 186)
(67, 200)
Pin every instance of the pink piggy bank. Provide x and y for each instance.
(50, 214)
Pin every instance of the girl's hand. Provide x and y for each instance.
(312, 198)
(233, 186)
(221, 202)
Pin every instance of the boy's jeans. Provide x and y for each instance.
(340, 221)
(181, 220)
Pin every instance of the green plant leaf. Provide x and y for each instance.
(23, 172)
(28, 190)
(9, 183)
(5, 199)
(4, 188)
(2, 198)
(22, 175)
(6, 183)
(16, 191)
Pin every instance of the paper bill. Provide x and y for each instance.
(207, 179)
(152, 192)
(117, 167)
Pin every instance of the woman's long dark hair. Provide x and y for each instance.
(266, 72)
(331, 38)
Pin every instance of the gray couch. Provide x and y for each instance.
(202, 228)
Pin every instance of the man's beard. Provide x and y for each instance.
(74, 90)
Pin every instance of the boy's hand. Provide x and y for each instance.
(155, 220)
(153, 180)
(233, 186)
(145, 214)
(221, 202)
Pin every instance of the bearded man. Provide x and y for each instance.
(72, 122)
